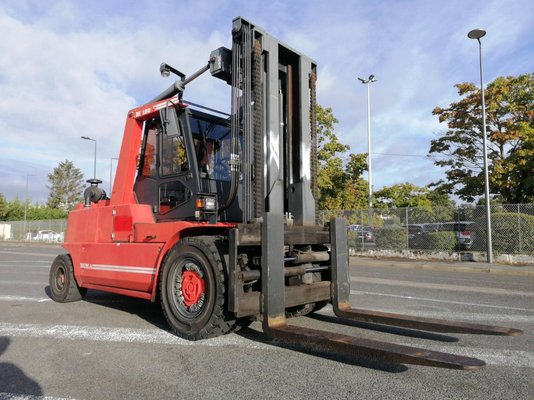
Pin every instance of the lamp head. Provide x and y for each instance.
(476, 34)
(164, 70)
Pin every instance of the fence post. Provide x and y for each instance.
(519, 229)
(406, 222)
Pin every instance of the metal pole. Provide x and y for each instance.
(94, 167)
(486, 173)
(370, 199)
(369, 162)
(94, 164)
(26, 205)
(111, 173)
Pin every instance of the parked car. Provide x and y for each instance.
(366, 234)
(463, 231)
(418, 233)
(48, 236)
(362, 233)
(354, 228)
(417, 236)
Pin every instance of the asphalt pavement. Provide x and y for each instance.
(115, 347)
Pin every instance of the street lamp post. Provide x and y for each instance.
(26, 203)
(369, 164)
(477, 34)
(94, 140)
(111, 173)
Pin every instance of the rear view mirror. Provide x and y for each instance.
(169, 121)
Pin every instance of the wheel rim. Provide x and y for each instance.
(60, 278)
(189, 294)
(193, 287)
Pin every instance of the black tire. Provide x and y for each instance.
(319, 305)
(300, 311)
(63, 285)
(197, 311)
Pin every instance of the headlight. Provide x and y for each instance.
(206, 203)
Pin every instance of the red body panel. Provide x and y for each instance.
(117, 245)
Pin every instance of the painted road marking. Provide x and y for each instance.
(512, 358)
(24, 298)
(127, 335)
(439, 286)
(440, 301)
(14, 266)
(16, 396)
(28, 253)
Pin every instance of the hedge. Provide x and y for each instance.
(443, 241)
(512, 233)
(391, 238)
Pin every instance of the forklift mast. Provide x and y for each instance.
(273, 108)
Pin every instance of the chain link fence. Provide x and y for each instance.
(440, 229)
(52, 230)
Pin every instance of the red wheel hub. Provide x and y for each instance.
(193, 287)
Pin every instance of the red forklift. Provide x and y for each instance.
(214, 215)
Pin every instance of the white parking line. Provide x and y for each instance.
(441, 286)
(24, 283)
(440, 301)
(10, 262)
(128, 335)
(28, 253)
(16, 396)
(512, 358)
(24, 298)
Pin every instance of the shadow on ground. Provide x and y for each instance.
(13, 381)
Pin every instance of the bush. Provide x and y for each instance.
(393, 238)
(443, 241)
(512, 233)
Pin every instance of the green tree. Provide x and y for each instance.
(15, 210)
(40, 212)
(340, 183)
(426, 205)
(409, 195)
(510, 129)
(3, 207)
(65, 185)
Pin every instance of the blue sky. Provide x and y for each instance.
(73, 68)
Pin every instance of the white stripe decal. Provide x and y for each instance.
(119, 268)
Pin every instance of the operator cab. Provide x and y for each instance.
(185, 156)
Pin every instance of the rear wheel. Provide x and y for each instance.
(63, 285)
(192, 288)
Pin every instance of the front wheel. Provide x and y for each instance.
(63, 285)
(192, 288)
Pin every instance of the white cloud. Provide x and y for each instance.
(70, 69)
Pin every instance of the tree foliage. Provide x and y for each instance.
(3, 207)
(510, 130)
(66, 185)
(14, 211)
(425, 205)
(409, 195)
(341, 185)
